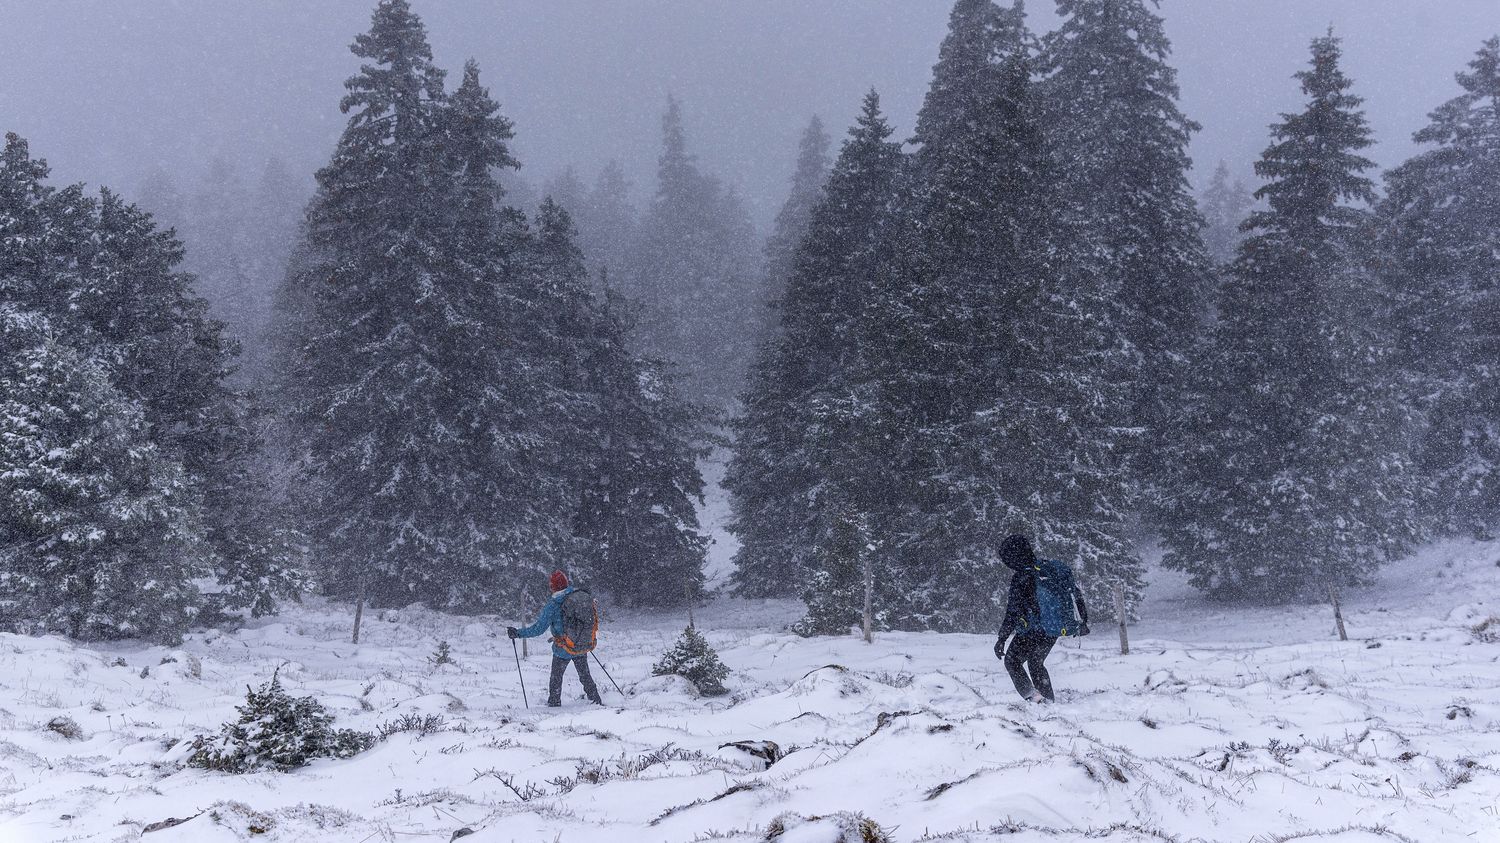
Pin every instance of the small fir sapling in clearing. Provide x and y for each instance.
(442, 655)
(276, 731)
(693, 659)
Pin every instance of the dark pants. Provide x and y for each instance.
(559, 667)
(1028, 652)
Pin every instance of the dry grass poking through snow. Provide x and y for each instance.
(1195, 737)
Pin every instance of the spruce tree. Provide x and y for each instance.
(1440, 236)
(408, 380)
(1122, 144)
(1294, 477)
(566, 190)
(693, 270)
(641, 510)
(792, 220)
(607, 221)
(220, 249)
(108, 281)
(99, 529)
(1225, 206)
(835, 592)
(628, 444)
(776, 469)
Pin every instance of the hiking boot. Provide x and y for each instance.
(597, 701)
(1036, 697)
(553, 704)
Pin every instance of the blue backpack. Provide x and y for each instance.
(1055, 589)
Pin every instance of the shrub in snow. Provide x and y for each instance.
(65, 726)
(842, 827)
(421, 725)
(442, 655)
(692, 659)
(276, 731)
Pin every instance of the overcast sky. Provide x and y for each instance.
(110, 89)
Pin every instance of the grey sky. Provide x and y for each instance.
(109, 89)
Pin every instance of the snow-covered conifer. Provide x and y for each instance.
(1121, 143)
(694, 272)
(99, 528)
(792, 220)
(823, 327)
(407, 380)
(1294, 476)
(696, 661)
(628, 444)
(1225, 205)
(1440, 236)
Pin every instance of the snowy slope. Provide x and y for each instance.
(1221, 726)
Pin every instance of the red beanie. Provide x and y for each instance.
(559, 581)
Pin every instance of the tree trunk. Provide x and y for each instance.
(1338, 611)
(1120, 617)
(687, 591)
(869, 597)
(359, 611)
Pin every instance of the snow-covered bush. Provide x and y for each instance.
(692, 659)
(276, 731)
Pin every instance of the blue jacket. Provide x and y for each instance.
(550, 621)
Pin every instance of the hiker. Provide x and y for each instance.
(1024, 624)
(564, 648)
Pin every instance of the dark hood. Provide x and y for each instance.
(1017, 554)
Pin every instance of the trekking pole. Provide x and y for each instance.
(606, 673)
(519, 674)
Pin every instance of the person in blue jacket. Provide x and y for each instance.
(551, 621)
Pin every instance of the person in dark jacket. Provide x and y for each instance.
(551, 620)
(1029, 645)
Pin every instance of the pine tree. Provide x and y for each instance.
(1296, 478)
(693, 270)
(220, 244)
(107, 279)
(409, 382)
(167, 354)
(1225, 206)
(642, 510)
(992, 330)
(1440, 235)
(629, 444)
(159, 195)
(693, 659)
(792, 221)
(1122, 143)
(775, 468)
(607, 221)
(566, 190)
(99, 536)
(835, 593)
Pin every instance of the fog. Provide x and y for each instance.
(109, 91)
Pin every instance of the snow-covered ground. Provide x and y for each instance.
(1244, 725)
